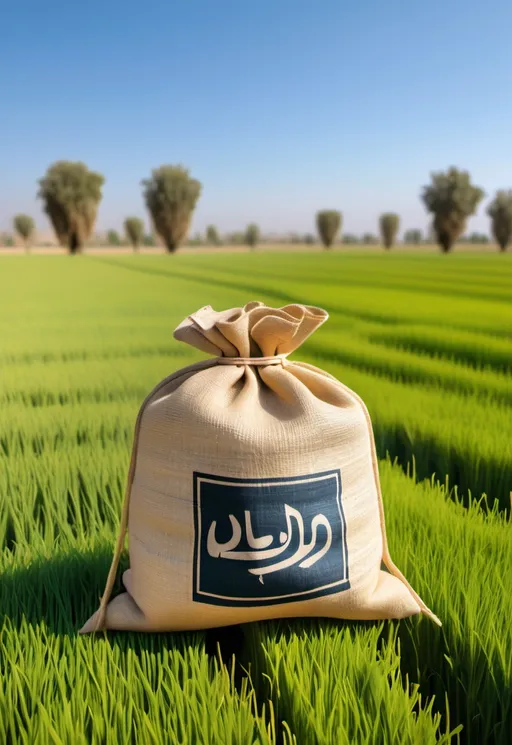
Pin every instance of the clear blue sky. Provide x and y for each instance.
(279, 107)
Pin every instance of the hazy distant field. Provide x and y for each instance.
(425, 339)
(279, 247)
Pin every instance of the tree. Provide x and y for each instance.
(451, 198)
(134, 229)
(71, 195)
(413, 237)
(369, 239)
(475, 238)
(431, 235)
(171, 195)
(24, 225)
(196, 240)
(212, 236)
(149, 239)
(237, 238)
(113, 238)
(389, 223)
(500, 212)
(309, 239)
(252, 235)
(350, 238)
(328, 224)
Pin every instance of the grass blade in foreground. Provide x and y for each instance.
(460, 560)
(341, 684)
(127, 688)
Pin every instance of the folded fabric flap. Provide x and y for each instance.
(256, 330)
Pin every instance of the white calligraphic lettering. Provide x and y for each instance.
(303, 556)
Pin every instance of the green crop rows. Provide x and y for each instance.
(426, 340)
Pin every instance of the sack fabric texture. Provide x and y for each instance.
(253, 491)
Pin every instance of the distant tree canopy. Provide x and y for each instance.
(212, 236)
(431, 235)
(500, 212)
(237, 238)
(389, 223)
(451, 198)
(196, 240)
(252, 235)
(413, 237)
(328, 224)
(134, 229)
(71, 194)
(113, 238)
(369, 239)
(350, 238)
(474, 237)
(171, 195)
(24, 225)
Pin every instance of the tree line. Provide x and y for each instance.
(71, 194)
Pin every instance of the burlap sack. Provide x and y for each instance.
(253, 490)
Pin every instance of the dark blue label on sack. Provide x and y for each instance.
(267, 541)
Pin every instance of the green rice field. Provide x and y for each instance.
(425, 339)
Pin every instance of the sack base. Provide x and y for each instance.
(389, 600)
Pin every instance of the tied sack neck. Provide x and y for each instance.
(255, 334)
